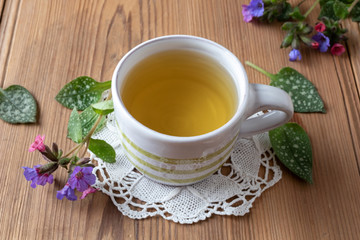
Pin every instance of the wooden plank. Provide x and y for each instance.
(352, 82)
(9, 11)
(353, 47)
(44, 49)
(2, 7)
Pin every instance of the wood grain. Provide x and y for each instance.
(45, 44)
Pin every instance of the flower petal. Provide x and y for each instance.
(87, 170)
(72, 181)
(90, 179)
(81, 186)
(71, 195)
(87, 191)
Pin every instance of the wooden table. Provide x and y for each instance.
(45, 44)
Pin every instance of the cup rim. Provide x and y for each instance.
(235, 119)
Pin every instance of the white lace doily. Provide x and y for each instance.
(230, 191)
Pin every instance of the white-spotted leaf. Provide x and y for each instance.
(102, 150)
(103, 108)
(81, 92)
(74, 127)
(88, 118)
(303, 93)
(293, 148)
(17, 105)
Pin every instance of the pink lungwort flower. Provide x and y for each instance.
(254, 9)
(320, 27)
(315, 45)
(81, 178)
(337, 49)
(38, 144)
(67, 192)
(87, 191)
(32, 174)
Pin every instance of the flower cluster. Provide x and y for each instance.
(80, 171)
(329, 34)
(254, 9)
(81, 179)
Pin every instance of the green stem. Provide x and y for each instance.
(101, 86)
(311, 8)
(352, 5)
(71, 151)
(259, 69)
(92, 130)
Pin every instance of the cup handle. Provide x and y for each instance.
(264, 97)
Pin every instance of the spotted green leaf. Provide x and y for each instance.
(340, 9)
(327, 10)
(74, 127)
(88, 118)
(103, 108)
(102, 150)
(284, 10)
(17, 105)
(292, 146)
(303, 93)
(81, 92)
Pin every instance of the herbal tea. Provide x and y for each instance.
(179, 93)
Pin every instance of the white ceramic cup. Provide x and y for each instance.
(180, 161)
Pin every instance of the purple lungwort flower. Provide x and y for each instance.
(67, 192)
(294, 54)
(82, 178)
(324, 41)
(32, 174)
(254, 9)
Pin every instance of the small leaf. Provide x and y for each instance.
(81, 92)
(327, 10)
(103, 108)
(284, 11)
(88, 118)
(55, 149)
(302, 92)
(102, 150)
(60, 153)
(293, 148)
(74, 127)
(83, 161)
(295, 44)
(296, 14)
(48, 155)
(306, 40)
(48, 168)
(45, 157)
(64, 162)
(17, 105)
(287, 26)
(355, 13)
(287, 40)
(340, 9)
